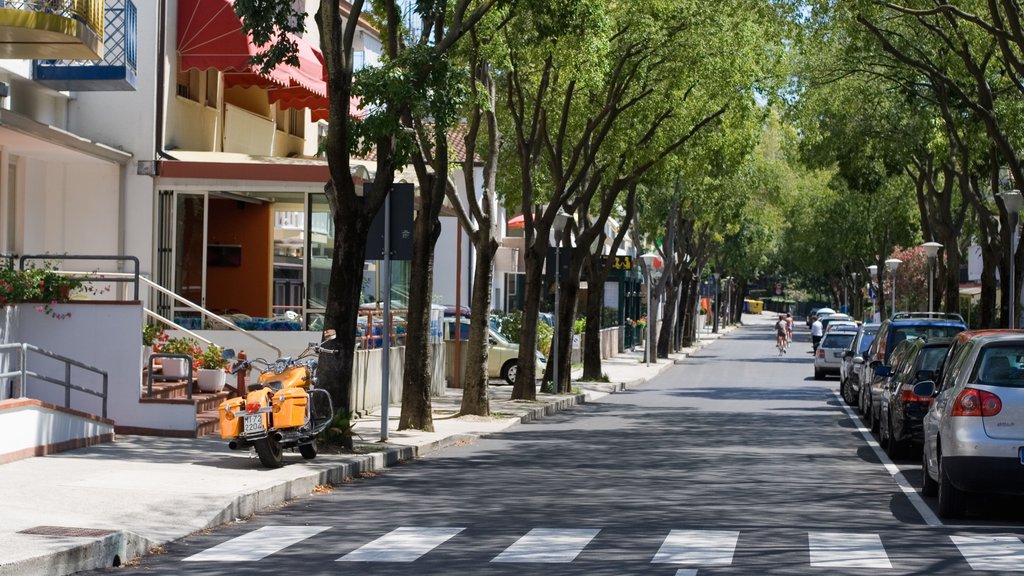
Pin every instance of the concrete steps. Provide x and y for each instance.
(176, 392)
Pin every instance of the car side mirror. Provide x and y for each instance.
(925, 389)
(883, 371)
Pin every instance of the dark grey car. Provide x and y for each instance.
(854, 368)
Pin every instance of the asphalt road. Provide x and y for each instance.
(734, 462)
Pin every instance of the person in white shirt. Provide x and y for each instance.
(816, 333)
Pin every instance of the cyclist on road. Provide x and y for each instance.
(780, 334)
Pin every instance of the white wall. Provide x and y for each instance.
(28, 427)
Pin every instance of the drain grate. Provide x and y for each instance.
(67, 531)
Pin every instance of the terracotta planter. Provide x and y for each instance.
(212, 379)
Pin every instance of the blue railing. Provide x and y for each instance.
(117, 69)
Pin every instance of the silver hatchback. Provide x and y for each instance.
(974, 430)
(829, 355)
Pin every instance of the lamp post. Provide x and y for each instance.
(853, 280)
(561, 219)
(649, 259)
(931, 249)
(872, 278)
(1013, 202)
(893, 264)
(718, 279)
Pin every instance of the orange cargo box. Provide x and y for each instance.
(230, 425)
(290, 407)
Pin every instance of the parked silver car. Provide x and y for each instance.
(829, 355)
(974, 430)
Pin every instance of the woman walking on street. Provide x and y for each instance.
(780, 334)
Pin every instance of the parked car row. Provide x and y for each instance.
(925, 381)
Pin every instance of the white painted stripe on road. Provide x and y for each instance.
(839, 550)
(1004, 553)
(686, 572)
(548, 545)
(701, 547)
(926, 513)
(404, 544)
(257, 544)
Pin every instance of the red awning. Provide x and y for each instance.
(210, 36)
(517, 223)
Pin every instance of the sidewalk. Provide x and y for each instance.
(104, 505)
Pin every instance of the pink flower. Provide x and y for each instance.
(39, 309)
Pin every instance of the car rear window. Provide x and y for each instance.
(837, 340)
(901, 333)
(1000, 366)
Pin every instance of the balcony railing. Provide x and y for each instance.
(51, 28)
(117, 70)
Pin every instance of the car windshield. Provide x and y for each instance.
(837, 340)
(901, 333)
(931, 358)
(1000, 366)
(865, 342)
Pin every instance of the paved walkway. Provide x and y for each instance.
(104, 505)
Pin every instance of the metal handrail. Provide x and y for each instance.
(150, 376)
(24, 372)
(91, 276)
(146, 281)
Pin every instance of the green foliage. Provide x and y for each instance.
(580, 326)
(545, 334)
(44, 285)
(151, 333)
(181, 345)
(212, 358)
(609, 317)
(269, 22)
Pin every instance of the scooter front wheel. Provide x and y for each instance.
(270, 452)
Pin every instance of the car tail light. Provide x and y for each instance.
(973, 402)
(909, 396)
(252, 407)
(821, 353)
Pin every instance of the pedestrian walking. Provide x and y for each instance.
(816, 333)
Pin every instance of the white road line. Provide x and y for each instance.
(404, 544)
(686, 572)
(700, 547)
(1004, 553)
(839, 550)
(257, 544)
(549, 545)
(926, 513)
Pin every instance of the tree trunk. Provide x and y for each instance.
(526, 379)
(474, 394)
(668, 322)
(416, 384)
(592, 371)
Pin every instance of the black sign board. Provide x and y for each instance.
(625, 263)
(401, 198)
(565, 255)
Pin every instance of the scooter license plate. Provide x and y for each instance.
(253, 424)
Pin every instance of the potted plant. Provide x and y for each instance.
(151, 335)
(178, 367)
(212, 363)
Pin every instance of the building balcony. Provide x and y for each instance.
(115, 72)
(54, 29)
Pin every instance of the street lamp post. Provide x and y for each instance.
(561, 219)
(649, 259)
(853, 280)
(1013, 202)
(872, 278)
(893, 264)
(714, 327)
(931, 249)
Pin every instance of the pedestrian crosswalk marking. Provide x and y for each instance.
(402, 545)
(1004, 553)
(698, 547)
(257, 544)
(844, 550)
(549, 545)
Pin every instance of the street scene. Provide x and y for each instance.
(734, 460)
(495, 287)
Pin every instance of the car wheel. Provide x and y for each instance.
(818, 374)
(842, 387)
(876, 423)
(893, 447)
(862, 403)
(929, 487)
(509, 370)
(952, 501)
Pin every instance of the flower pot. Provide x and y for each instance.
(212, 379)
(147, 351)
(175, 367)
